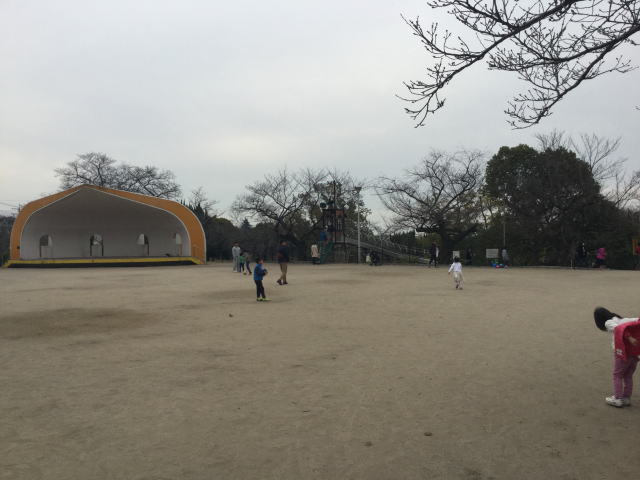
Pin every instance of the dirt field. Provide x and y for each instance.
(348, 373)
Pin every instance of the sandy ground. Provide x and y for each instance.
(348, 373)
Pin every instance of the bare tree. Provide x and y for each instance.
(595, 150)
(99, 169)
(618, 186)
(625, 192)
(199, 198)
(553, 45)
(438, 196)
(554, 140)
(291, 201)
(89, 168)
(203, 207)
(281, 199)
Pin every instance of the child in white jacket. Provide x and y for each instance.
(456, 268)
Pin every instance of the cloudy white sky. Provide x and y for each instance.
(222, 93)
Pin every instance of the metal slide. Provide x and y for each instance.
(400, 252)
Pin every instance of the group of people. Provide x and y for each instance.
(626, 331)
(372, 258)
(582, 257)
(242, 262)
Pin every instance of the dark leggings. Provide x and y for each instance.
(259, 289)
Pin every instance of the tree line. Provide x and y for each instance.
(540, 202)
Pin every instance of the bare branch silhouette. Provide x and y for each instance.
(553, 46)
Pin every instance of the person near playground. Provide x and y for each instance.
(625, 362)
(505, 256)
(324, 236)
(601, 258)
(456, 269)
(235, 254)
(241, 260)
(315, 254)
(581, 255)
(283, 261)
(258, 274)
(469, 256)
(247, 262)
(433, 255)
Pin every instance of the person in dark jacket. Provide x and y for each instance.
(283, 261)
(433, 255)
(581, 255)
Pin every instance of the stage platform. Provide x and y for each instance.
(103, 262)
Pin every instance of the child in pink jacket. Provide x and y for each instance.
(626, 347)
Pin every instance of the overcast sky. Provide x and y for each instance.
(222, 93)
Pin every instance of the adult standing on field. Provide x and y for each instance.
(235, 254)
(315, 254)
(433, 255)
(283, 260)
(469, 256)
(581, 255)
(601, 258)
(505, 256)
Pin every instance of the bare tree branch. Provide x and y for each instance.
(98, 169)
(552, 45)
(290, 201)
(440, 195)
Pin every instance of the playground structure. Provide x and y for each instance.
(337, 243)
(346, 251)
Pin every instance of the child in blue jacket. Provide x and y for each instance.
(258, 274)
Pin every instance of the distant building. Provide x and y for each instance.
(89, 225)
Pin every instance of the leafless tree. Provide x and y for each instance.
(554, 140)
(625, 192)
(553, 45)
(199, 198)
(290, 201)
(99, 169)
(281, 199)
(438, 196)
(202, 206)
(89, 168)
(619, 186)
(595, 150)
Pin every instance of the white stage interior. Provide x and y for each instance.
(65, 229)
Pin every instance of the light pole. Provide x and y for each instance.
(504, 223)
(357, 189)
(504, 232)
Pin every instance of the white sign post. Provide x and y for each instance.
(492, 253)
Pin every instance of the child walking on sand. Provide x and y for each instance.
(456, 268)
(626, 346)
(247, 262)
(258, 274)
